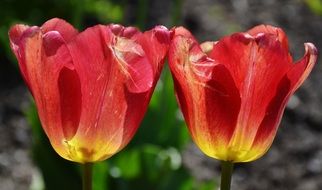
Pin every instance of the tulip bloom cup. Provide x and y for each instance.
(91, 88)
(233, 92)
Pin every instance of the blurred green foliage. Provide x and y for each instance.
(152, 161)
(315, 6)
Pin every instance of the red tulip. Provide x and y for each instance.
(233, 92)
(91, 88)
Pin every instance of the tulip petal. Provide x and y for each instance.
(42, 73)
(257, 64)
(288, 85)
(267, 29)
(125, 32)
(15, 34)
(155, 44)
(131, 59)
(106, 83)
(269, 125)
(70, 101)
(223, 99)
(58, 57)
(187, 67)
(206, 93)
(41, 59)
(302, 68)
(18, 35)
(207, 46)
(67, 31)
(94, 68)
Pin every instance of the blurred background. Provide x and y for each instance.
(161, 156)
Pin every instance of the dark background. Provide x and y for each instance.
(161, 155)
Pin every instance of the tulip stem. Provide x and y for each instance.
(87, 176)
(226, 173)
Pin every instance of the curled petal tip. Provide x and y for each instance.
(51, 42)
(310, 48)
(122, 31)
(19, 32)
(302, 68)
(264, 29)
(116, 28)
(16, 32)
(243, 37)
(311, 53)
(271, 30)
(181, 31)
(130, 31)
(207, 46)
(161, 28)
(162, 34)
(66, 30)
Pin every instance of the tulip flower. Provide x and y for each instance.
(233, 92)
(91, 88)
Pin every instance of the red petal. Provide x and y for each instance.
(103, 94)
(132, 61)
(155, 44)
(41, 57)
(257, 66)
(126, 32)
(207, 47)
(267, 29)
(186, 49)
(273, 115)
(131, 58)
(18, 35)
(66, 30)
(246, 56)
(205, 90)
(16, 32)
(70, 101)
(181, 31)
(302, 68)
(222, 104)
(179, 62)
(116, 78)
(42, 72)
(88, 51)
(292, 80)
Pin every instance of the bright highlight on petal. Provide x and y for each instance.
(233, 92)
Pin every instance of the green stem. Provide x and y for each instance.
(87, 176)
(226, 173)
